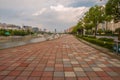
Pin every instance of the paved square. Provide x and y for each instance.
(58, 74)
(69, 74)
(78, 69)
(65, 58)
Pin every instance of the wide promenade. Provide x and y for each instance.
(65, 58)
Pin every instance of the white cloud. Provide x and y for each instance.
(59, 8)
(69, 14)
(39, 12)
(50, 16)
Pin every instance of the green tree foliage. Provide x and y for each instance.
(112, 9)
(96, 14)
(93, 17)
(100, 31)
(78, 28)
(87, 21)
(14, 32)
(99, 14)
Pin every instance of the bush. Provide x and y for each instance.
(105, 44)
(117, 30)
(100, 31)
(14, 32)
(109, 32)
(106, 39)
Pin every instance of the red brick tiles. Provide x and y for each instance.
(65, 58)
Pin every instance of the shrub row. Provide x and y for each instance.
(107, 44)
(14, 32)
(106, 39)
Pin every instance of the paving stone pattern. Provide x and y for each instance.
(65, 58)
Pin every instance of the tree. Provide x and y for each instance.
(107, 18)
(78, 28)
(80, 25)
(75, 29)
(112, 9)
(93, 17)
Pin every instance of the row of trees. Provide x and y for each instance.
(97, 15)
(4, 32)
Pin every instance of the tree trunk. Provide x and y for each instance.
(96, 29)
(83, 32)
(106, 25)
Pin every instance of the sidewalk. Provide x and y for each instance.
(65, 58)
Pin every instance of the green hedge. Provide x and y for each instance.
(105, 44)
(106, 39)
(15, 32)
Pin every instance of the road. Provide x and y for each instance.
(65, 58)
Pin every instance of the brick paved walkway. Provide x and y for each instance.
(62, 59)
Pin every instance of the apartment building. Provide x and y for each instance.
(109, 26)
(9, 26)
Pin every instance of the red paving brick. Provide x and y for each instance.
(65, 58)
(14, 73)
(36, 73)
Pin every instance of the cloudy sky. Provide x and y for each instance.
(48, 14)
